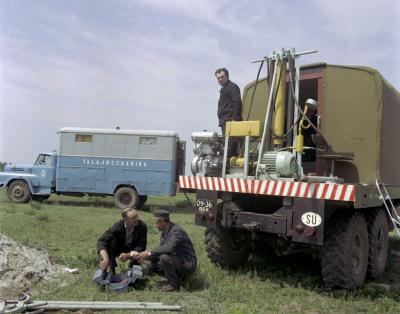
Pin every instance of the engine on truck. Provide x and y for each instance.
(208, 150)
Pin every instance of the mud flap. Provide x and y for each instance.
(308, 221)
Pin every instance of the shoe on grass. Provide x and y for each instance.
(169, 288)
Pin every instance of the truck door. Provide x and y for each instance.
(45, 170)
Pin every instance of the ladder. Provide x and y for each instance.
(390, 208)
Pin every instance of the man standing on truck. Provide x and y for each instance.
(175, 256)
(229, 106)
(125, 240)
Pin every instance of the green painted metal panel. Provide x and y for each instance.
(360, 114)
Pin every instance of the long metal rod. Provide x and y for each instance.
(296, 115)
(246, 156)
(96, 302)
(259, 60)
(290, 101)
(109, 307)
(266, 124)
(225, 156)
(94, 305)
(298, 54)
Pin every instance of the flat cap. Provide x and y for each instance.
(161, 213)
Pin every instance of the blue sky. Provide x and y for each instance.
(149, 64)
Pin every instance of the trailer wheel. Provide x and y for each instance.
(345, 252)
(226, 247)
(125, 197)
(18, 192)
(378, 235)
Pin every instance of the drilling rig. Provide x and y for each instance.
(317, 170)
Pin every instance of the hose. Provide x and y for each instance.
(254, 91)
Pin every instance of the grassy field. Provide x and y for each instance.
(68, 229)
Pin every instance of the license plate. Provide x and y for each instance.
(204, 206)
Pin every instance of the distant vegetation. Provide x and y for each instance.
(2, 165)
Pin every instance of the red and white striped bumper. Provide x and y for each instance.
(327, 191)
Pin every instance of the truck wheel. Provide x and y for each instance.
(345, 252)
(142, 201)
(378, 235)
(226, 248)
(18, 192)
(126, 197)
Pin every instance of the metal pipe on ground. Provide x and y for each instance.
(94, 306)
(98, 302)
(16, 306)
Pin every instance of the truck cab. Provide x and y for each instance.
(45, 169)
(35, 181)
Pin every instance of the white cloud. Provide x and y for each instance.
(212, 12)
(152, 67)
(356, 21)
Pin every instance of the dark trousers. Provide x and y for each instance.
(113, 251)
(172, 267)
(233, 145)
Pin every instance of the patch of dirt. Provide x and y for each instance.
(22, 267)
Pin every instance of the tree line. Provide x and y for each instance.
(2, 165)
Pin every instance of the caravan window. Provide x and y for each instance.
(148, 140)
(83, 138)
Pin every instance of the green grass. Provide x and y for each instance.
(68, 229)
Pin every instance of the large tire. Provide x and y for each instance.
(227, 247)
(345, 253)
(18, 192)
(125, 197)
(378, 234)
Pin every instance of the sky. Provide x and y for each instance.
(149, 64)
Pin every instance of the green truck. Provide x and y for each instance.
(317, 172)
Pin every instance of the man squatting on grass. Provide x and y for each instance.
(175, 256)
(125, 239)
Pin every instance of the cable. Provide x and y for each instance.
(255, 87)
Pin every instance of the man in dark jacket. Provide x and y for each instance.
(125, 239)
(229, 106)
(175, 256)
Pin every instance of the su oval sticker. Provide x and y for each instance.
(311, 219)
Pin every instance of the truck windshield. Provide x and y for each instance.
(43, 160)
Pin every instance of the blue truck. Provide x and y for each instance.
(128, 164)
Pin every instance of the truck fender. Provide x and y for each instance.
(28, 182)
(127, 184)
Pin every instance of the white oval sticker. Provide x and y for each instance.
(311, 219)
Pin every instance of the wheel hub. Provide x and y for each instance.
(126, 198)
(18, 192)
